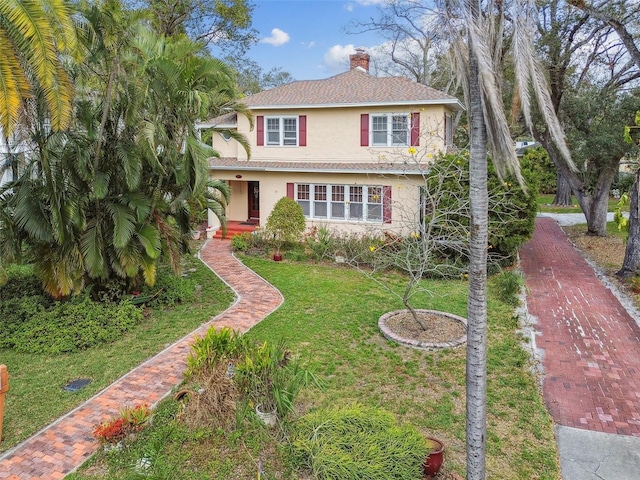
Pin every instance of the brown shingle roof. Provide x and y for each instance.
(354, 87)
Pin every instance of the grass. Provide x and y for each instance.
(545, 200)
(36, 397)
(330, 318)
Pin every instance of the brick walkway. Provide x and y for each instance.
(589, 343)
(61, 447)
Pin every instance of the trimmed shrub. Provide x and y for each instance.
(357, 442)
(285, 223)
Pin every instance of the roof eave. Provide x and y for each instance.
(315, 170)
(453, 103)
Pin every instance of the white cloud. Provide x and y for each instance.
(337, 57)
(349, 7)
(277, 38)
(310, 44)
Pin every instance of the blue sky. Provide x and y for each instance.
(308, 38)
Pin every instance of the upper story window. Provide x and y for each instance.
(282, 131)
(389, 130)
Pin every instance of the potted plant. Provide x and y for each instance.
(285, 224)
(435, 457)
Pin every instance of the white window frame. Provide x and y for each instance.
(390, 132)
(283, 138)
(370, 197)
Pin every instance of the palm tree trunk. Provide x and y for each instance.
(477, 300)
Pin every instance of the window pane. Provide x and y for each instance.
(355, 194)
(273, 138)
(290, 131)
(355, 211)
(400, 130)
(374, 195)
(337, 193)
(379, 130)
(400, 138)
(379, 138)
(380, 123)
(303, 191)
(320, 192)
(305, 204)
(273, 131)
(374, 212)
(355, 203)
(337, 210)
(320, 209)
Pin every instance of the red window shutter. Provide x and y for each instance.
(415, 129)
(364, 130)
(302, 125)
(260, 130)
(386, 204)
(290, 192)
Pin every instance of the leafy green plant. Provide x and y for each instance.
(269, 375)
(357, 442)
(285, 223)
(216, 345)
(70, 326)
(509, 284)
(241, 242)
(539, 170)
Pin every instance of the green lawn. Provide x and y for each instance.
(545, 200)
(330, 318)
(36, 397)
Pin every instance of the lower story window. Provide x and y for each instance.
(361, 203)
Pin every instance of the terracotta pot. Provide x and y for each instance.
(277, 257)
(434, 461)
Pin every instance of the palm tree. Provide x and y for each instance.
(33, 35)
(115, 195)
(479, 67)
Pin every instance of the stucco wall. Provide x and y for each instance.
(333, 135)
(273, 186)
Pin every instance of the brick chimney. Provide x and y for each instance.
(360, 59)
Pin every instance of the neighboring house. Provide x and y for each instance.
(13, 154)
(339, 146)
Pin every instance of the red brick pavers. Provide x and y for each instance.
(61, 447)
(589, 343)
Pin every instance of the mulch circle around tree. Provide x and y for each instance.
(445, 330)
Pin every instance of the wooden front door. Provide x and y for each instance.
(254, 200)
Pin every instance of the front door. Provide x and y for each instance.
(254, 200)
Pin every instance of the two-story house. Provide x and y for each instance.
(350, 149)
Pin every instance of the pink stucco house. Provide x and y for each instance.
(349, 149)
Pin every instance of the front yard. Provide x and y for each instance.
(330, 319)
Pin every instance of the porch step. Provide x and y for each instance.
(235, 227)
